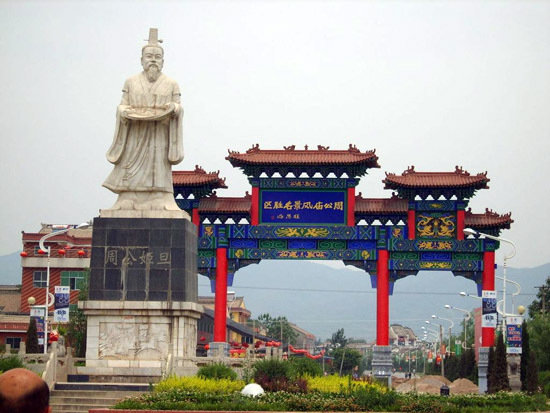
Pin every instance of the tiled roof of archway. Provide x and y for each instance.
(198, 177)
(225, 204)
(457, 179)
(292, 156)
(380, 205)
(489, 219)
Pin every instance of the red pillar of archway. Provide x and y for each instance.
(382, 299)
(488, 283)
(220, 304)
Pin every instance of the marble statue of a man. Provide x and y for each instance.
(147, 142)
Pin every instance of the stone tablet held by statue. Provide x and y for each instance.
(147, 142)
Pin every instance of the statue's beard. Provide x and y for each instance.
(152, 73)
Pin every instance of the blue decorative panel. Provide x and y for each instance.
(303, 207)
(301, 244)
(243, 243)
(435, 256)
(361, 245)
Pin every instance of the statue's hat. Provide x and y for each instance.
(153, 40)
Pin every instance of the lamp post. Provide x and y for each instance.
(511, 255)
(450, 327)
(466, 319)
(48, 303)
(441, 343)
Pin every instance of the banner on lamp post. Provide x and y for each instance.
(61, 312)
(513, 335)
(489, 307)
(38, 313)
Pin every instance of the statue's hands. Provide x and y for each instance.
(174, 108)
(124, 110)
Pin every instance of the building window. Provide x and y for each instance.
(14, 342)
(39, 279)
(75, 280)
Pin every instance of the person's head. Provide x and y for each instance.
(152, 60)
(22, 391)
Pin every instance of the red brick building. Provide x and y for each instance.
(69, 260)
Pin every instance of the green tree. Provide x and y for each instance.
(524, 363)
(532, 382)
(76, 331)
(32, 338)
(539, 340)
(491, 371)
(278, 328)
(452, 367)
(543, 297)
(350, 357)
(339, 339)
(499, 369)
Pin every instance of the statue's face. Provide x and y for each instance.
(152, 56)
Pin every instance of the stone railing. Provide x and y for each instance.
(49, 375)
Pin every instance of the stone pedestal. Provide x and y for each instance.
(142, 309)
(143, 259)
(139, 335)
(482, 369)
(382, 363)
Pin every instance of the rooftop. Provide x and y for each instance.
(322, 160)
(457, 179)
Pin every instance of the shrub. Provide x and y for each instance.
(337, 384)
(197, 384)
(278, 375)
(8, 363)
(217, 371)
(32, 338)
(303, 366)
(544, 382)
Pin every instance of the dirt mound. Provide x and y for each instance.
(463, 386)
(426, 384)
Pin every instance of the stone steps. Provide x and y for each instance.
(81, 397)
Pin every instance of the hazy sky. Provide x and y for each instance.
(427, 83)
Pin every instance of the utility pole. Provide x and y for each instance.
(544, 288)
(440, 348)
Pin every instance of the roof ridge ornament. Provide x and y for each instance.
(410, 170)
(460, 171)
(199, 170)
(322, 148)
(289, 148)
(254, 148)
(353, 148)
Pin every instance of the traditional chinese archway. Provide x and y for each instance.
(303, 205)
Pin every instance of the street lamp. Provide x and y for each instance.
(468, 316)
(441, 342)
(465, 294)
(512, 254)
(48, 302)
(450, 327)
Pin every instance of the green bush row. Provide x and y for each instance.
(362, 399)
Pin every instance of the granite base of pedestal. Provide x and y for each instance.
(382, 363)
(482, 369)
(139, 336)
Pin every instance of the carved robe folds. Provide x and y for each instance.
(148, 136)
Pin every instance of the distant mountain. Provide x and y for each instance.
(10, 269)
(323, 299)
